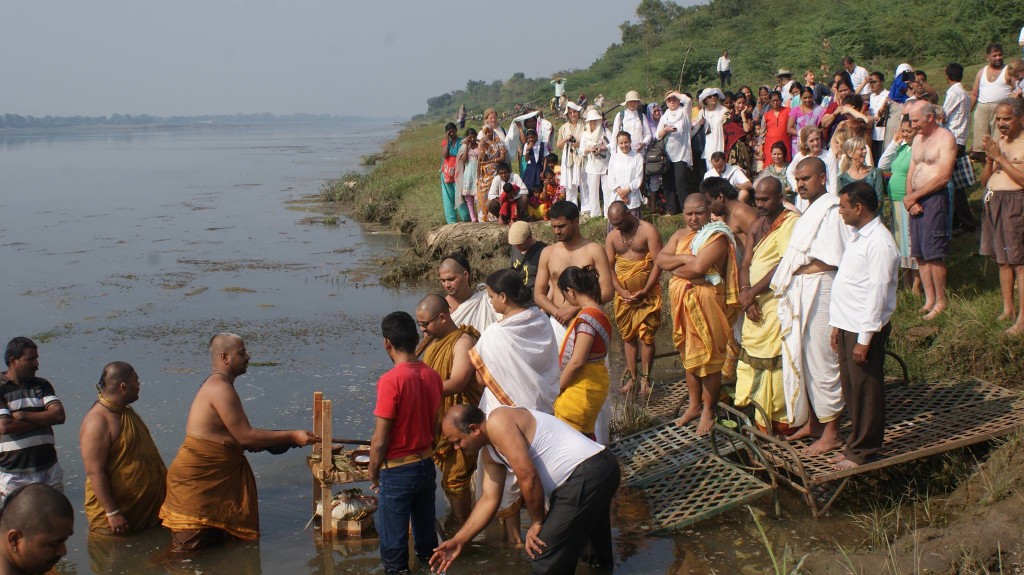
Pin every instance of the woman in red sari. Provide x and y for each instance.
(775, 122)
(583, 385)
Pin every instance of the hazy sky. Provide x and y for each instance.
(376, 57)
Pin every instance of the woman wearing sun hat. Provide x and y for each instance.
(711, 119)
(631, 119)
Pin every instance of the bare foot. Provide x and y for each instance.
(692, 413)
(803, 433)
(939, 308)
(844, 464)
(645, 386)
(1015, 329)
(1005, 316)
(926, 308)
(707, 421)
(837, 458)
(631, 379)
(823, 445)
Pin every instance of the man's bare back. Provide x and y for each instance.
(741, 219)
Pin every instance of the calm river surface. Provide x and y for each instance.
(139, 246)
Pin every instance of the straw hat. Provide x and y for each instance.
(784, 72)
(631, 96)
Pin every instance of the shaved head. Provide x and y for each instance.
(433, 304)
(452, 265)
(696, 200)
(815, 165)
(617, 209)
(223, 343)
(769, 185)
(114, 373)
(33, 508)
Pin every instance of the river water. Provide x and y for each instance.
(138, 246)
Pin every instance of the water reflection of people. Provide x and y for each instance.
(125, 476)
(211, 494)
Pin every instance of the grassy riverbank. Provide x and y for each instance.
(403, 191)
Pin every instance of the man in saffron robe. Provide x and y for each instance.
(704, 289)
(469, 305)
(211, 490)
(759, 374)
(125, 476)
(632, 246)
(445, 348)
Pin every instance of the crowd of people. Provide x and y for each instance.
(782, 279)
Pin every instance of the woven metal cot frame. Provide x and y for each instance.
(922, 420)
(687, 478)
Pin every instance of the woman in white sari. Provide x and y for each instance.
(516, 360)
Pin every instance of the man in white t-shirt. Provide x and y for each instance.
(558, 467)
(878, 102)
(858, 76)
(724, 70)
(722, 169)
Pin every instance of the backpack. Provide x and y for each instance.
(656, 162)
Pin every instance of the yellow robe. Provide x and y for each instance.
(456, 469)
(639, 320)
(703, 315)
(211, 486)
(759, 374)
(137, 476)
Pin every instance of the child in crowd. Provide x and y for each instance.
(506, 207)
(534, 160)
(550, 193)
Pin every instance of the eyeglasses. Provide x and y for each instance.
(424, 324)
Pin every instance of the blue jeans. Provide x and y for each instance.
(406, 492)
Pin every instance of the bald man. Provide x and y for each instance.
(704, 291)
(125, 476)
(631, 247)
(211, 490)
(468, 305)
(445, 348)
(802, 285)
(35, 525)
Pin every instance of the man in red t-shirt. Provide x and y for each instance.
(401, 458)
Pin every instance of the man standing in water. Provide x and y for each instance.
(28, 409)
(631, 247)
(401, 458)
(125, 476)
(211, 490)
(445, 348)
(928, 202)
(468, 306)
(570, 249)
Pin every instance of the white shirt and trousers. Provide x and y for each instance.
(863, 300)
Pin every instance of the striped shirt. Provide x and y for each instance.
(32, 450)
(957, 107)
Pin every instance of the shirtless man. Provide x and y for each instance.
(211, 490)
(702, 261)
(570, 249)
(631, 247)
(468, 306)
(928, 202)
(1002, 228)
(725, 204)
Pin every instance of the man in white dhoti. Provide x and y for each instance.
(468, 306)
(803, 284)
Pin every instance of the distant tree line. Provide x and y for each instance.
(17, 121)
(761, 36)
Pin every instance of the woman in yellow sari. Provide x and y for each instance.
(583, 384)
